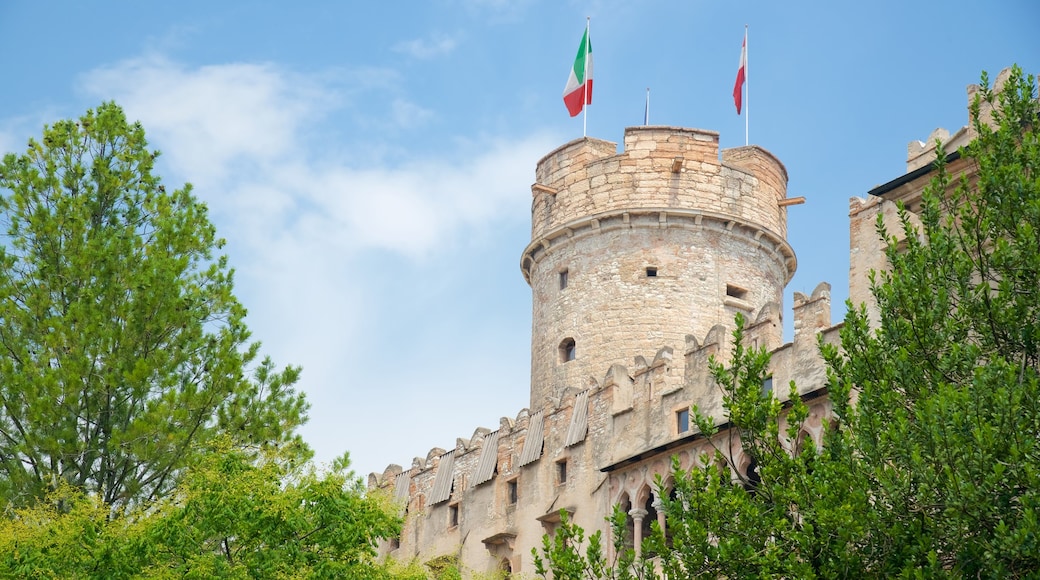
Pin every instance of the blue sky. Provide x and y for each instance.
(370, 163)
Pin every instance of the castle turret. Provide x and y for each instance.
(636, 250)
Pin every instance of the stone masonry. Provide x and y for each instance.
(638, 263)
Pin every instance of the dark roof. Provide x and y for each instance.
(882, 190)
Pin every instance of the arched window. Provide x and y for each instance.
(673, 497)
(648, 522)
(630, 528)
(567, 350)
(799, 445)
(751, 476)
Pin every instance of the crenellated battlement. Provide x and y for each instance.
(659, 167)
(609, 421)
(921, 153)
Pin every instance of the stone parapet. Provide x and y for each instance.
(660, 167)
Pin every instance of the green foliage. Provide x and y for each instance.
(947, 410)
(123, 350)
(931, 468)
(561, 552)
(231, 517)
(445, 567)
(562, 556)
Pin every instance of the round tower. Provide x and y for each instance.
(635, 250)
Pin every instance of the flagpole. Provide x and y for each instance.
(646, 111)
(585, 85)
(747, 89)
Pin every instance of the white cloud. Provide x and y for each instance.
(300, 216)
(427, 48)
(15, 132)
(211, 117)
(407, 114)
(240, 129)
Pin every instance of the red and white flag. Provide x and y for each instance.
(738, 87)
(578, 91)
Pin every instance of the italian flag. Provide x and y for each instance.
(578, 92)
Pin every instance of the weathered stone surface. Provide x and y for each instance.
(659, 256)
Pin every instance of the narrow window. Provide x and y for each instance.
(753, 477)
(651, 272)
(648, 519)
(561, 472)
(567, 350)
(512, 492)
(395, 543)
(682, 420)
(736, 292)
(563, 279)
(767, 386)
(673, 495)
(453, 516)
(629, 540)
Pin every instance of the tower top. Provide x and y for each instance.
(660, 167)
(637, 249)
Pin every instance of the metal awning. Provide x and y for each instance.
(445, 477)
(533, 444)
(401, 486)
(488, 459)
(579, 420)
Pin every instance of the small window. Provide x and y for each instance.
(561, 472)
(754, 478)
(651, 271)
(395, 543)
(563, 279)
(511, 488)
(736, 292)
(453, 516)
(567, 350)
(767, 386)
(682, 420)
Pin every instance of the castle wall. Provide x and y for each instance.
(631, 437)
(662, 245)
(612, 415)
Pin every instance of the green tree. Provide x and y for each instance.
(932, 465)
(947, 418)
(123, 350)
(232, 516)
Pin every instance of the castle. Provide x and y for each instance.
(646, 256)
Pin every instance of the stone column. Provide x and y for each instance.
(659, 506)
(637, 529)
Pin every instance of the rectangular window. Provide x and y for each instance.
(453, 516)
(651, 272)
(512, 491)
(563, 279)
(736, 292)
(767, 386)
(561, 472)
(682, 420)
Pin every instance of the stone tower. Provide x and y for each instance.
(637, 249)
